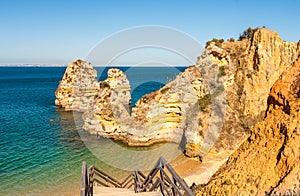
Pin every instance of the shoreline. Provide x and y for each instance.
(199, 172)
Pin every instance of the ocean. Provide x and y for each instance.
(39, 157)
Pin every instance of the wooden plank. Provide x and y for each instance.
(83, 187)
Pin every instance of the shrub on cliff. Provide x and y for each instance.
(248, 33)
(204, 102)
(217, 42)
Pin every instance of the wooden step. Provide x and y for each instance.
(107, 191)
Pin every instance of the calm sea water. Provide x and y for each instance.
(38, 157)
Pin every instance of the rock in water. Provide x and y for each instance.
(112, 100)
(78, 87)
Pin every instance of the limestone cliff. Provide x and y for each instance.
(208, 107)
(268, 162)
(248, 69)
(78, 87)
(157, 117)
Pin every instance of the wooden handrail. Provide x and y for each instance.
(171, 184)
(110, 179)
(177, 178)
(127, 181)
(174, 187)
(160, 183)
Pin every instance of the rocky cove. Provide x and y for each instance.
(240, 96)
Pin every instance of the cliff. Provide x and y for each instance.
(268, 161)
(248, 69)
(78, 87)
(210, 107)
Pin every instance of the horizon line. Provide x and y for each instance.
(63, 65)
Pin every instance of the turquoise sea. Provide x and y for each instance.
(39, 157)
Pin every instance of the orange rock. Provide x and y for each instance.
(268, 162)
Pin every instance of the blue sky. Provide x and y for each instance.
(62, 31)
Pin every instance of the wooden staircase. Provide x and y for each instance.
(161, 180)
(108, 191)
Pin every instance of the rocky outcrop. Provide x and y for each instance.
(164, 113)
(78, 87)
(211, 106)
(268, 162)
(158, 117)
(258, 62)
(248, 69)
(112, 100)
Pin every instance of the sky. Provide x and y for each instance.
(57, 32)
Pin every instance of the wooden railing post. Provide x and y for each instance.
(83, 186)
(90, 173)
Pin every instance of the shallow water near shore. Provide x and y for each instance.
(38, 157)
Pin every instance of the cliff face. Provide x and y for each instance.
(248, 69)
(211, 106)
(269, 161)
(257, 63)
(164, 113)
(78, 87)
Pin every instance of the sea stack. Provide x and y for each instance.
(78, 87)
(112, 99)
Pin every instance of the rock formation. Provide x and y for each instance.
(78, 87)
(157, 117)
(248, 69)
(114, 92)
(210, 106)
(268, 162)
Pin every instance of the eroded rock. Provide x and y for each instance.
(78, 87)
(209, 106)
(248, 68)
(268, 161)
